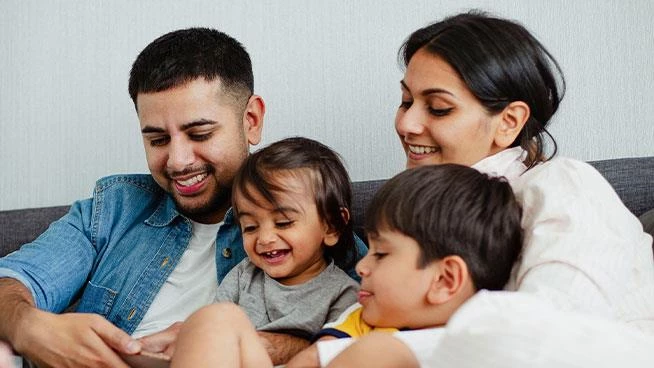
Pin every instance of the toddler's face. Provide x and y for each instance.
(284, 241)
(393, 288)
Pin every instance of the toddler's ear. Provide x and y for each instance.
(450, 277)
(332, 235)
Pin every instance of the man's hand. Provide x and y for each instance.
(282, 347)
(162, 342)
(72, 340)
(67, 340)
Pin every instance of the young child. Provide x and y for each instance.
(291, 199)
(437, 234)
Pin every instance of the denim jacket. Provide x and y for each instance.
(115, 251)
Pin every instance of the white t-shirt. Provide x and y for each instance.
(190, 286)
(507, 329)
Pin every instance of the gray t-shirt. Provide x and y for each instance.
(300, 310)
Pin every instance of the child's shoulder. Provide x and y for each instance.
(335, 275)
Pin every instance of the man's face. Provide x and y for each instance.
(195, 139)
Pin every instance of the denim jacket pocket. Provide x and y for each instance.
(96, 299)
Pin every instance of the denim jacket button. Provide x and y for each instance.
(165, 262)
(131, 314)
(227, 253)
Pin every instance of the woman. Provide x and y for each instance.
(480, 91)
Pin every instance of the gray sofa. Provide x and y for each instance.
(632, 179)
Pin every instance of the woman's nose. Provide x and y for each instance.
(408, 122)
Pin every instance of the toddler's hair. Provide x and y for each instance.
(322, 168)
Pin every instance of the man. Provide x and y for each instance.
(138, 254)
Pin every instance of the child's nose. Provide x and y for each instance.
(362, 267)
(266, 238)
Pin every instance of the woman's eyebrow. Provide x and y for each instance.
(429, 91)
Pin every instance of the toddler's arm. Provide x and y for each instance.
(308, 358)
(377, 349)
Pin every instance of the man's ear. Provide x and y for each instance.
(331, 234)
(450, 278)
(253, 119)
(511, 121)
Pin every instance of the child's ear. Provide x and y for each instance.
(450, 278)
(512, 120)
(332, 235)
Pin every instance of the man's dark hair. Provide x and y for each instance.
(182, 56)
(449, 210)
(320, 166)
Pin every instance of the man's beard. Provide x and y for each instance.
(220, 200)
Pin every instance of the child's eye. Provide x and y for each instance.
(379, 255)
(284, 224)
(248, 228)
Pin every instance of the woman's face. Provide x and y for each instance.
(440, 120)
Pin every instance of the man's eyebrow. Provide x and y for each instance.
(201, 122)
(197, 123)
(428, 91)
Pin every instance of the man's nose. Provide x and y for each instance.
(180, 155)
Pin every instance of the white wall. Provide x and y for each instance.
(326, 69)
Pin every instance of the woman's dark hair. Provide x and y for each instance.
(449, 210)
(182, 56)
(500, 62)
(325, 171)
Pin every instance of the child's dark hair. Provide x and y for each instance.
(453, 210)
(330, 185)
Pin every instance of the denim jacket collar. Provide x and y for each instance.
(166, 212)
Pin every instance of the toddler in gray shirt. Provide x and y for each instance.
(291, 200)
